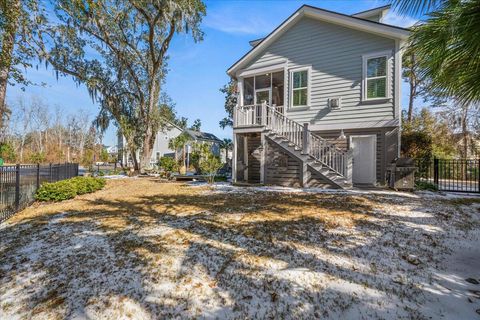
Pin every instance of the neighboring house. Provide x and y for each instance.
(112, 150)
(160, 147)
(319, 101)
(204, 137)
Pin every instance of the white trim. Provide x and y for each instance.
(240, 92)
(328, 16)
(290, 86)
(261, 69)
(269, 102)
(259, 72)
(354, 125)
(398, 90)
(388, 90)
(368, 14)
(374, 162)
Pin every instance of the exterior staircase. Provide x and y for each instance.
(316, 154)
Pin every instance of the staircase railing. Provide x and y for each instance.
(285, 127)
(303, 139)
(248, 115)
(298, 135)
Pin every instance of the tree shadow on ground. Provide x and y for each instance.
(248, 248)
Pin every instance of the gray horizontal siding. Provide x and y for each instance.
(335, 55)
(386, 150)
(281, 168)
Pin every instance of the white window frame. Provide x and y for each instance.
(258, 72)
(388, 74)
(309, 85)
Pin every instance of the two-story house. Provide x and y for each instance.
(161, 146)
(319, 101)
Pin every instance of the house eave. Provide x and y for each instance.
(381, 29)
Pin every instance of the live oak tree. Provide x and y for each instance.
(230, 92)
(118, 50)
(19, 20)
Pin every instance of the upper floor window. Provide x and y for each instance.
(375, 70)
(268, 87)
(299, 80)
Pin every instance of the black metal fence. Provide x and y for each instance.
(458, 175)
(19, 183)
(106, 168)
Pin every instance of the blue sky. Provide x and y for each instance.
(197, 70)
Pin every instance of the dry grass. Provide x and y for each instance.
(150, 249)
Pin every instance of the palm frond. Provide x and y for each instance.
(447, 48)
(415, 7)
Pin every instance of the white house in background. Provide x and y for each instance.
(319, 101)
(160, 147)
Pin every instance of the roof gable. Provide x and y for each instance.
(199, 135)
(361, 24)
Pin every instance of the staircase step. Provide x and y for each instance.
(329, 174)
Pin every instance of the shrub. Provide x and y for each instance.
(210, 165)
(7, 152)
(168, 164)
(422, 185)
(68, 189)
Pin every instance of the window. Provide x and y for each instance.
(260, 84)
(375, 77)
(277, 88)
(299, 88)
(248, 91)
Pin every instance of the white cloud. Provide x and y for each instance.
(231, 20)
(395, 19)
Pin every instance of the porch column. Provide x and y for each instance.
(304, 174)
(263, 157)
(234, 159)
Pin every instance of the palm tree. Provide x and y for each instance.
(447, 46)
(179, 143)
(416, 7)
(227, 145)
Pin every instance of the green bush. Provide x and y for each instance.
(168, 164)
(210, 164)
(422, 185)
(68, 189)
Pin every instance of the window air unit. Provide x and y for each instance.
(335, 103)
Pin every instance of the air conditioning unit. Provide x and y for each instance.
(335, 103)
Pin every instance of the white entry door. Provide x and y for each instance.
(364, 159)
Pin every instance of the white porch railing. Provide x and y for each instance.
(297, 134)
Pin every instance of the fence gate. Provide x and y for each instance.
(458, 175)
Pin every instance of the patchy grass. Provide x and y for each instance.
(145, 249)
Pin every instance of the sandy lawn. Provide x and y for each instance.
(144, 249)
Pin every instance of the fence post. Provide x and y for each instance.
(38, 175)
(17, 187)
(435, 171)
(50, 173)
(478, 173)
